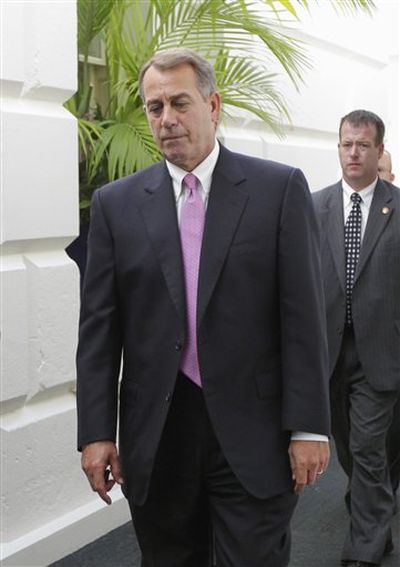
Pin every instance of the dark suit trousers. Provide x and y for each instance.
(197, 512)
(393, 446)
(361, 419)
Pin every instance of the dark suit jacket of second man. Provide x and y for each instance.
(376, 290)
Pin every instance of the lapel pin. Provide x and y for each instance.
(385, 210)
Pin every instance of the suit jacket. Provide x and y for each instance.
(376, 291)
(261, 322)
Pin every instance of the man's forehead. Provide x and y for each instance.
(178, 73)
(177, 81)
(363, 129)
(160, 93)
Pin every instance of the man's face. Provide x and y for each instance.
(182, 121)
(359, 154)
(385, 168)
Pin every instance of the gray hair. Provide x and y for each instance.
(358, 117)
(171, 58)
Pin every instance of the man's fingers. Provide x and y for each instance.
(116, 469)
(307, 459)
(104, 496)
(300, 478)
(96, 476)
(312, 476)
(103, 487)
(98, 460)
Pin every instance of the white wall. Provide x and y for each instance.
(46, 502)
(355, 64)
(48, 510)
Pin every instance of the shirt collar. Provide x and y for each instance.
(203, 171)
(366, 194)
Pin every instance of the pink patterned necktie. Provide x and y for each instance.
(191, 230)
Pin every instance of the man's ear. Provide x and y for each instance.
(215, 101)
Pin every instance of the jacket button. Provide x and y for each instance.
(178, 345)
(168, 397)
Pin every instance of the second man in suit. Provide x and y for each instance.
(360, 225)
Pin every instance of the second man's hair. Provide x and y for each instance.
(358, 117)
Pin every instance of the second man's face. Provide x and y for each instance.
(182, 121)
(359, 154)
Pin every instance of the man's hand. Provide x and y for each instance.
(307, 459)
(96, 458)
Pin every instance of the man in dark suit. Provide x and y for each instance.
(360, 225)
(209, 285)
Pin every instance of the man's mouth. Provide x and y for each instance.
(170, 138)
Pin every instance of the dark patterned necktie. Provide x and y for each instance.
(191, 229)
(352, 245)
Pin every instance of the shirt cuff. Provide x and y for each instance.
(303, 436)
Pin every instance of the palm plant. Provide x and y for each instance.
(244, 38)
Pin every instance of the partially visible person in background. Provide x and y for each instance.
(385, 167)
(385, 172)
(360, 231)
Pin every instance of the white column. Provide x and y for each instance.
(48, 509)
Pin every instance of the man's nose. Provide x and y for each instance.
(354, 150)
(169, 117)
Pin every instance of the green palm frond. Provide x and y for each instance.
(128, 146)
(242, 85)
(246, 39)
(344, 6)
(352, 6)
(93, 15)
(238, 26)
(89, 133)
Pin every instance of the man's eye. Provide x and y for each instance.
(154, 109)
(181, 104)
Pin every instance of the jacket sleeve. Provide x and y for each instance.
(100, 345)
(302, 312)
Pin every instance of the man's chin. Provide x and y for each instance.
(354, 175)
(177, 158)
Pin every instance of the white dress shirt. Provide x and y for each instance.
(204, 172)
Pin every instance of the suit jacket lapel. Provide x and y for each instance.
(159, 214)
(377, 221)
(225, 206)
(333, 219)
